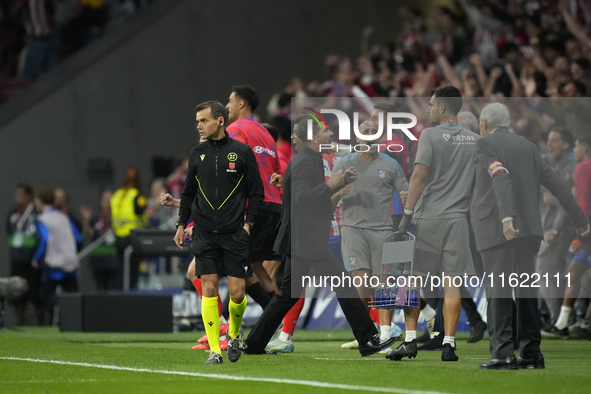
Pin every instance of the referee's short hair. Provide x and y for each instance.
(218, 110)
(449, 96)
(248, 94)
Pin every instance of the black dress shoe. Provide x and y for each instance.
(255, 351)
(449, 353)
(500, 363)
(477, 332)
(405, 349)
(374, 345)
(531, 363)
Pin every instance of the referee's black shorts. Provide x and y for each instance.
(264, 231)
(221, 253)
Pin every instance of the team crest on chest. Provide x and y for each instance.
(382, 173)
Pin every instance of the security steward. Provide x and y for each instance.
(128, 208)
(223, 177)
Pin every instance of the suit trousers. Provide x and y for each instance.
(516, 256)
(296, 267)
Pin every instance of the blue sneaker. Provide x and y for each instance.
(396, 331)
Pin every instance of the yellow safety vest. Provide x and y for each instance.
(93, 3)
(123, 215)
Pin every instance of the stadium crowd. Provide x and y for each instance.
(499, 50)
(36, 35)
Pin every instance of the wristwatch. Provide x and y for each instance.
(408, 211)
(249, 223)
(177, 224)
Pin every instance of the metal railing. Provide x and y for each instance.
(126, 253)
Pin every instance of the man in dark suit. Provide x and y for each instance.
(306, 213)
(506, 220)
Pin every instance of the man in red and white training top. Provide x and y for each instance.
(244, 128)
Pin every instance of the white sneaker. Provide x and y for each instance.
(276, 334)
(280, 346)
(386, 350)
(350, 345)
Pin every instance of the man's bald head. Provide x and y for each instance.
(368, 128)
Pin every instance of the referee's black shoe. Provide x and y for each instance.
(405, 349)
(374, 345)
(255, 351)
(234, 348)
(531, 363)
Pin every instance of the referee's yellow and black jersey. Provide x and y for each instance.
(223, 177)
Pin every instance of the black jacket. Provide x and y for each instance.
(222, 176)
(306, 210)
(513, 193)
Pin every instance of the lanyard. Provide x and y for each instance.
(22, 220)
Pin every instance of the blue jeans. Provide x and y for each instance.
(41, 57)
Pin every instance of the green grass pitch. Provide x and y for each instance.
(165, 363)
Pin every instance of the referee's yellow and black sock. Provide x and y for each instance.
(211, 319)
(236, 313)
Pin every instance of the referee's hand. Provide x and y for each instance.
(179, 237)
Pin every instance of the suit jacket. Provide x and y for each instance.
(507, 180)
(306, 210)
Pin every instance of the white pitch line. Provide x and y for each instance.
(49, 381)
(310, 383)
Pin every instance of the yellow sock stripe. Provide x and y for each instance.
(232, 192)
(199, 183)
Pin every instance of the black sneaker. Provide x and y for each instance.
(449, 353)
(434, 344)
(583, 332)
(405, 349)
(477, 332)
(556, 333)
(234, 348)
(214, 358)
